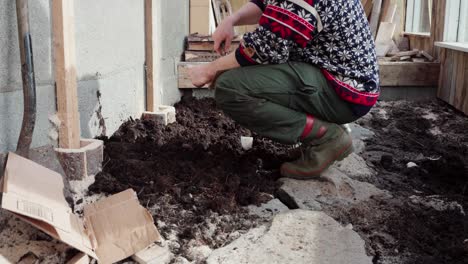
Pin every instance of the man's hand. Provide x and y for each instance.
(202, 74)
(223, 36)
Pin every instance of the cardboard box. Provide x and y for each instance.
(110, 230)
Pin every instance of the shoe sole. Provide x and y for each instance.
(345, 152)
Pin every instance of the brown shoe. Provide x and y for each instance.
(320, 154)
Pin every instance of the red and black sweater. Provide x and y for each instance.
(334, 35)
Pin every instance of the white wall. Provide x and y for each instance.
(110, 63)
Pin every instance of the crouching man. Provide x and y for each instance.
(309, 67)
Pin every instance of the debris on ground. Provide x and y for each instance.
(401, 195)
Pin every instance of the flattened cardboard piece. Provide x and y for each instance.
(119, 226)
(113, 229)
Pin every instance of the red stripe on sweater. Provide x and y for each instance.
(294, 21)
(282, 31)
(349, 93)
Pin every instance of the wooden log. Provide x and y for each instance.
(150, 100)
(409, 73)
(183, 76)
(65, 73)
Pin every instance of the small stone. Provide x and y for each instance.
(173, 245)
(234, 235)
(200, 253)
(411, 165)
(349, 226)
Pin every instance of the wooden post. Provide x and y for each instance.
(65, 73)
(437, 24)
(149, 55)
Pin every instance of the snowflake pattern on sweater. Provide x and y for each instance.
(334, 35)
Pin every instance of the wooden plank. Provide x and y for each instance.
(65, 73)
(427, 55)
(384, 40)
(453, 81)
(460, 80)
(150, 100)
(441, 91)
(409, 73)
(447, 75)
(437, 24)
(375, 17)
(200, 56)
(388, 15)
(406, 53)
(464, 107)
(420, 42)
(183, 77)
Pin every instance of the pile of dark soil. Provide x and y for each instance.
(191, 169)
(194, 173)
(403, 230)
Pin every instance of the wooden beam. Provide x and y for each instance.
(384, 40)
(184, 79)
(150, 102)
(409, 73)
(375, 17)
(437, 25)
(65, 73)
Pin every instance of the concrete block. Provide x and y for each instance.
(78, 164)
(163, 115)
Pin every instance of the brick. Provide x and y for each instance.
(163, 115)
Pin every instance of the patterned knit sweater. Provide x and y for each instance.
(334, 35)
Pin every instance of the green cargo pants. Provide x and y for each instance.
(273, 100)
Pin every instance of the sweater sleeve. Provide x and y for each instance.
(283, 27)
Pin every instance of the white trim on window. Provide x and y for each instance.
(463, 23)
(453, 45)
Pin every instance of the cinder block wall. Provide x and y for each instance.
(110, 57)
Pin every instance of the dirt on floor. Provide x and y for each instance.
(193, 173)
(420, 152)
